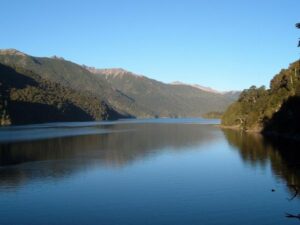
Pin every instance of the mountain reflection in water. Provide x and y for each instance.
(64, 156)
(153, 172)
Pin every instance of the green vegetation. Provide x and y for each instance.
(70, 75)
(54, 89)
(164, 100)
(28, 98)
(213, 115)
(272, 110)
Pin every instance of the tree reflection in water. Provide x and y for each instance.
(283, 156)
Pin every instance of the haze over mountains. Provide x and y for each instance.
(74, 92)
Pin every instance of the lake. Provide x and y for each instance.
(156, 171)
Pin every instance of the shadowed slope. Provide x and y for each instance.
(27, 98)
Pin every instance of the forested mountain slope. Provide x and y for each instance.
(276, 109)
(164, 100)
(37, 83)
(26, 98)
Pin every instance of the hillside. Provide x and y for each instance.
(275, 110)
(27, 98)
(164, 100)
(207, 89)
(233, 95)
(41, 82)
(74, 76)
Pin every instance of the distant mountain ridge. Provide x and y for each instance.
(124, 93)
(233, 95)
(122, 72)
(181, 100)
(11, 51)
(110, 71)
(203, 88)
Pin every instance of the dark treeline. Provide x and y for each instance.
(273, 110)
(28, 98)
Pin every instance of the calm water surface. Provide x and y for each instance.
(133, 172)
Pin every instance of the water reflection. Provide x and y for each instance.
(256, 150)
(126, 143)
(144, 173)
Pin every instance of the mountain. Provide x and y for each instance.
(203, 88)
(273, 110)
(163, 100)
(26, 97)
(56, 89)
(73, 76)
(234, 95)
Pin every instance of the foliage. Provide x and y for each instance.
(213, 115)
(28, 98)
(256, 107)
(127, 93)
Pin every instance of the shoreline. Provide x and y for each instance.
(236, 127)
(273, 134)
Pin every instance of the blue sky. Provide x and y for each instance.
(227, 45)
